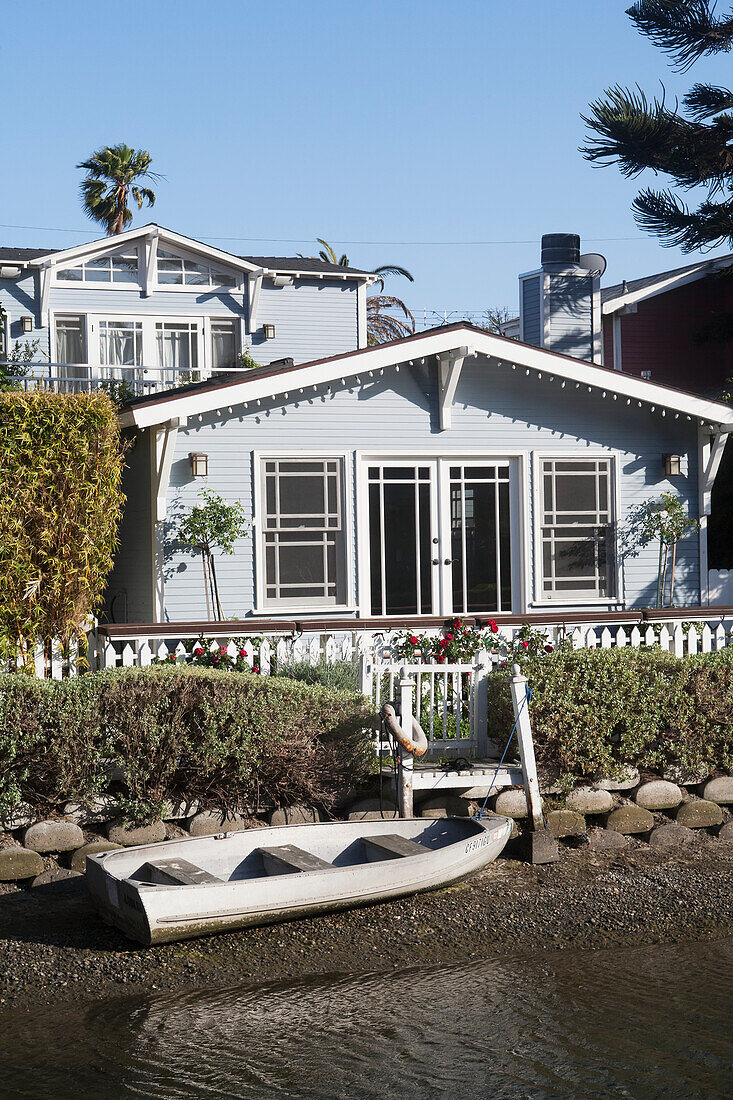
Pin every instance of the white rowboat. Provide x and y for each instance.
(184, 888)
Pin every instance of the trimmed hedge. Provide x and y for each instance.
(593, 711)
(60, 503)
(223, 738)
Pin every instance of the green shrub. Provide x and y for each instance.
(339, 676)
(60, 502)
(220, 737)
(593, 711)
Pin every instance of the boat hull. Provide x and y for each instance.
(153, 913)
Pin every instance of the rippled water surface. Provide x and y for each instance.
(640, 1023)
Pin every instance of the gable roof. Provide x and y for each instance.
(279, 378)
(636, 290)
(38, 257)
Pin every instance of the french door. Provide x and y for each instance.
(441, 536)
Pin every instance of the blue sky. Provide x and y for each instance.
(402, 132)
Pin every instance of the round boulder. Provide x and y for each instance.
(726, 833)
(658, 794)
(78, 861)
(630, 820)
(130, 837)
(298, 814)
(213, 822)
(628, 778)
(606, 839)
(565, 823)
(59, 881)
(17, 863)
(671, 836)
(96, 812)
(719, 790)
(445, 805)
(53, 836)
(368, 809)
(589, 800)
(699, 814)
(511, 803)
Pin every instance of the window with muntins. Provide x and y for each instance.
(223, 345)
(178, 271)
(70, 340)
(577, 560)
(303, 533)
(119, 268)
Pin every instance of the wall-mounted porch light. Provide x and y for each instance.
(199, 463)
(27, 323)
(672, 465)
(269, 331)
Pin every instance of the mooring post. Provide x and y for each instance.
(406, 758)
(526, 748)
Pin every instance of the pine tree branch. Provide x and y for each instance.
(664, 214)
(685, 29)
(705, 101)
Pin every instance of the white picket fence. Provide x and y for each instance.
(106, 649)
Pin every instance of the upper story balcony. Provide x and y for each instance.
(120, 382)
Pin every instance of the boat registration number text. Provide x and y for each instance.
(480, 842)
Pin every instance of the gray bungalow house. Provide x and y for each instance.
(453, 472)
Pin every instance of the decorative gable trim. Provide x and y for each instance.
(453, 341)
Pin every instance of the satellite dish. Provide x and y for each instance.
(593, 262)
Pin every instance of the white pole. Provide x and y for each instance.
(406, 758)
(526, 747)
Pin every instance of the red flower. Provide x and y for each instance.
(414, 640)
(243, 653)
(255, 668)
(548, 649)
(222, 650)
(443, 643)
(525, 645)
(198, 651)
(440, 658)
(172, 657)
(493, 627)
(456, 623)
(449, 636)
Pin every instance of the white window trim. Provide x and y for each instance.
(577, 455)
(519, 500)
(201, 288)
(140, 285)
(149, 321)
(274, 608)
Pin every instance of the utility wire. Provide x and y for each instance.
(311, 240)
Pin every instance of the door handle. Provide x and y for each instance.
(436, 561)
(450, 561)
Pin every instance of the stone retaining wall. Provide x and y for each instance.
(668, 810)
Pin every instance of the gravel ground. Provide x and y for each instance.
(54, 948)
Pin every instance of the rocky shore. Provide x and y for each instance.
(54, 948)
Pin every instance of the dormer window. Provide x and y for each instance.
(119, 268)
(178, 271)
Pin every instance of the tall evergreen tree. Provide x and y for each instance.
(693, 146)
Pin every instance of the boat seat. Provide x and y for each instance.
(391, 846)
(175, 872)
(287, 859)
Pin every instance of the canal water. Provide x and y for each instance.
(640, 1023)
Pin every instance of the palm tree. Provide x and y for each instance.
(112, 171)
(382, 325)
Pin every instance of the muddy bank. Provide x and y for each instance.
(55, 948)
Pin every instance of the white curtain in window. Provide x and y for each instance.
(177, 347)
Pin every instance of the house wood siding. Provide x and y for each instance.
(531, 319)
(496, 410)
(660, 336)
(312, 317)
(570, 316)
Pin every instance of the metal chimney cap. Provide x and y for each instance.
(560, 248)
